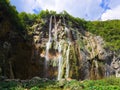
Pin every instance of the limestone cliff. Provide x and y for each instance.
(67, 52)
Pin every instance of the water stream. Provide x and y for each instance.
(59, 62)
(58, 46)
(67, 62)
(48, 47)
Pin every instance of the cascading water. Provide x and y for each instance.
(62, 52)
(49, 41)
(66, 59)
(48, 47)
(67, 52)
(67, 62)
(59, 48)
(55, 28)
(59, 62)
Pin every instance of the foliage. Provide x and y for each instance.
(46, 14)
(110, 83)
(27, 19)
(8, 12)
(71, 21)
(109, 30)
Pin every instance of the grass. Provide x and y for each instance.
(110, 83)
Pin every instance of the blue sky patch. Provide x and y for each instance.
(105, 4)
(37, 10)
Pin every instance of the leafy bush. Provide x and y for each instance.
(35, 88)
(110, 83)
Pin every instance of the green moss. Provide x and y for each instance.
(108, 30)
(90, 49)
(74, 68)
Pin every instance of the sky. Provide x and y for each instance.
(86, 9)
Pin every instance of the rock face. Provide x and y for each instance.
(57, 51)
(66, 52)
(15, 55)
(15, 49)
(116, 65)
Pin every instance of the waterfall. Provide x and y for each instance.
(58, 43)
(67, 61)
(58, 46)
(49, 41)
(55, 28)
(67, 52)
(48, 47)
(59, 62)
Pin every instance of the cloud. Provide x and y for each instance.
(114, 3)
(87, 9)
(111, 14)
(84, 9)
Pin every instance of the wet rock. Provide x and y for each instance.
(116, 65)
(118, 72)
(87, 58)
(2, 78)
(36, 78)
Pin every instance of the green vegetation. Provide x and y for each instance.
(110, 83)
(109, 30)
(27, 19)
(8, 14)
